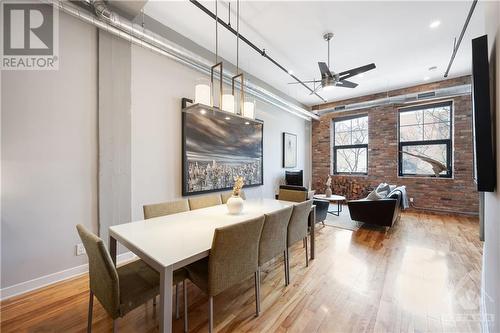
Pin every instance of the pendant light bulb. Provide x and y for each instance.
(228, 103)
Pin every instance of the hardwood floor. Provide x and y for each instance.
(423, 275)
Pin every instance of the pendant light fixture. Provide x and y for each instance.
(204, 90)
(228, 99)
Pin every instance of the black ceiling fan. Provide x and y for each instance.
(332, 79)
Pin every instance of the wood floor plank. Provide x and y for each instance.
(422, 275)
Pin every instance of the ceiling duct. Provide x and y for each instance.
(403, 99)
(114, 24)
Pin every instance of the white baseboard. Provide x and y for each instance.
(46, 280)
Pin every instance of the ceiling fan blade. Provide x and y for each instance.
(316, 89)
(323, 68)
(310, 81)
(355, 71)
(346, 84)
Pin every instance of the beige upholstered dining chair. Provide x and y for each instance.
(204, 201)
(233, 257)
(226, 195)
(298, 229)
(165, 208)
(273, 240)
(168, 208)
(292, 195)
(119, 290)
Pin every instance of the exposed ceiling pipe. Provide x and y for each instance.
(403, 99)
(262, 52)
(136, 34)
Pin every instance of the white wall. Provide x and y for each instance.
(49, 158)
(491, 252)
(158, 84)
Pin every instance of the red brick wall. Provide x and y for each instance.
(456, 194)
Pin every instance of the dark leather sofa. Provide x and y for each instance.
(321, 205)
(384, 212)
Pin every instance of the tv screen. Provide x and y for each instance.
(484, 163)
(294, 178)
(217, 147)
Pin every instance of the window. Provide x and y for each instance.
(350, 146)
(425, 147)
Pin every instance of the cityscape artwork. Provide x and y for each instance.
(217, 148)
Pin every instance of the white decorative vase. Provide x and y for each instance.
(235, 205)
(328, 192)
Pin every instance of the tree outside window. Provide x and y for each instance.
(425, 140)
(350, 146)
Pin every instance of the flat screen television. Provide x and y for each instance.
(484, 160)
(295, 178)
(216, 148)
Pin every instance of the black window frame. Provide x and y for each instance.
(335, 147)
(448, 142)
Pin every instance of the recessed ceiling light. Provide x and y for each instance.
(435, 24)
(227, 118)
(427, 78)
(247, 123)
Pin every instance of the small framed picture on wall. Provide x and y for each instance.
(289, 150)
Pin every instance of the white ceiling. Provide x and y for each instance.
(394, 35)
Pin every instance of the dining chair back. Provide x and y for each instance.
(298, 226)
(274, 236)
(234, 254)
(298, 230)
(292, 195)
(204, 201)
(165, 208)
(102, 272)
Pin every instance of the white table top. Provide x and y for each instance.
(333, 197)
(178, 239)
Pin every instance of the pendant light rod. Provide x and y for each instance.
(216, 33)
(217, 64)
(262, 52)
(237, 35)
(238, 74)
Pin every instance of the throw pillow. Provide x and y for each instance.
(374, 195)
(383, 187)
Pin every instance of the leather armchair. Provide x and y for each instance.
(321, 205)
(383, 212)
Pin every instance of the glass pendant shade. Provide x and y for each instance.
(202, 92)
(249, 109)
(228, 103)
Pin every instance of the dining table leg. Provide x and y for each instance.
(312, 223)
(112, 249)
(166, 299)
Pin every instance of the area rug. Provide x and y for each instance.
(343, 221)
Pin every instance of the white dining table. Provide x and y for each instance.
(170, 242)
